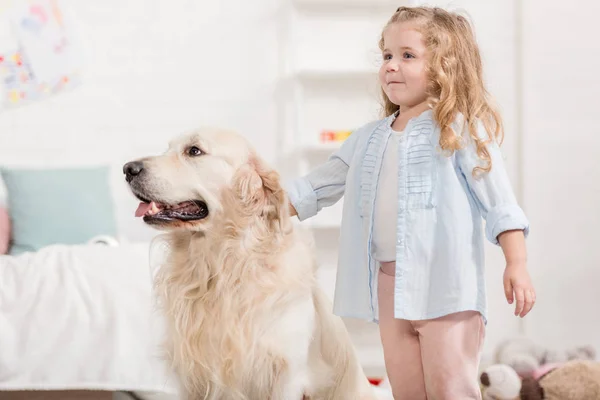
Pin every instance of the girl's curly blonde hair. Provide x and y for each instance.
(454, 71)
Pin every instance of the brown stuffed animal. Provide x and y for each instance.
(575, 380)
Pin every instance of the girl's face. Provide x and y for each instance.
(402, 73)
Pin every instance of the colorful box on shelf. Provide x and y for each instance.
(329, 136)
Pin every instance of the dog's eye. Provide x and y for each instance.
(195, 151)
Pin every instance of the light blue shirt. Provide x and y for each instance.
(439, 246)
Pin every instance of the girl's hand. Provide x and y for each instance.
(517, 284)
(292, 210)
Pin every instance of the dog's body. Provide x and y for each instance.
(246, 317)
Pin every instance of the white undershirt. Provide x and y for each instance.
(385, 214)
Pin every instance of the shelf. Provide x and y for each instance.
(317, 151)
(348, 5)
(329, 218)
(382, 393)
(371, 359)
(322, 147)
(324, 226)
(364, 81)
(316, 75)
(321, 223)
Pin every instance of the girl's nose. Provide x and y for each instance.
(392, 66)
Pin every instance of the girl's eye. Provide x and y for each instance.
(407, 55)
(387, 56)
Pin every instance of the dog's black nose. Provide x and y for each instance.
(132, 169)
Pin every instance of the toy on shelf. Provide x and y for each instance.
(333, 136)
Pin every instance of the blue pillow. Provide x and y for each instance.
(51, 206)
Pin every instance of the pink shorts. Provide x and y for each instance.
(429, 359)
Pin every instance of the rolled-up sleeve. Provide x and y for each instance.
(492, 190)
(325, 184)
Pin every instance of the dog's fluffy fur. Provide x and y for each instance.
(246, 317)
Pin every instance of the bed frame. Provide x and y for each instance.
(57, 395)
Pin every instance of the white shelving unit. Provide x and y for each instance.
(329, 81)
(329, 66)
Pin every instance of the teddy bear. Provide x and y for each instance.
(525, 356)
(572, 380)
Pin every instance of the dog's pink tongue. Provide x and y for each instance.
(143, 209)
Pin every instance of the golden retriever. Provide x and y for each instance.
(246, 317)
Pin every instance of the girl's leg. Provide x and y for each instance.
(450, 349)
(401, 349)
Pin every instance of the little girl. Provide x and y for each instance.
(416, 186)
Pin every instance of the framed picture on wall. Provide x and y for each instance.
(41, 55)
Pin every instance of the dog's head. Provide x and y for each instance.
(204, 177)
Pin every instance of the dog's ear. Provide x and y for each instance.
(260, 191)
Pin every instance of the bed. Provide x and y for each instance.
(81, 317)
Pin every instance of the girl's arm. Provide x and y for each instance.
(506, 223)
(513, 247)
(324, 185)
(491, 190)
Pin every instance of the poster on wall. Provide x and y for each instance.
(39, 56)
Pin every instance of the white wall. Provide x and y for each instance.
(561, 60)
(155, 69)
